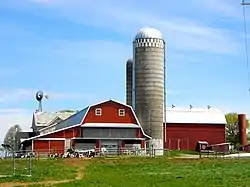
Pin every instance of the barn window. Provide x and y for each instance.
(98, 111)
(121, 112)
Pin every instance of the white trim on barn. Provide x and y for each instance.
(115, 125)
(98, 111)
(121, 112)
(41, 135)
(50, 139)
(98, 138)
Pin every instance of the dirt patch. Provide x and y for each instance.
(76, 161)
(13, 184)
(81, 164)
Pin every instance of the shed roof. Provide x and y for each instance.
(44, 118)
(195, 115)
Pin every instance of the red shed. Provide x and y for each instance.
(184, 127)
(109, 124)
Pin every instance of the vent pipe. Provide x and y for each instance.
(242, 124)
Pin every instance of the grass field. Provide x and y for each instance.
(127, 172)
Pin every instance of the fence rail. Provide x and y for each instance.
(45, 153)
(20, 163)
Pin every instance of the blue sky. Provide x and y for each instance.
(76, 52)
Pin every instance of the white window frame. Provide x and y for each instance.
(98, 111)
(121, 112)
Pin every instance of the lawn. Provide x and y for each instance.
(43, 169)
(151, 172)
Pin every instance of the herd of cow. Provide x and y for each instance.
(79, 153)
(76, 153)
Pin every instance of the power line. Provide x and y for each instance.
(246, 43)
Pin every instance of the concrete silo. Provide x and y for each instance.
(129, 82)
(149, 69)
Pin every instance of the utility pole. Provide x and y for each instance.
(244, 4)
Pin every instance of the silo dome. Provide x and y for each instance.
(129, 61)
(148, 32)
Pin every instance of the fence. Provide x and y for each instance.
(97, 152)
(178, 144)
(11, 164)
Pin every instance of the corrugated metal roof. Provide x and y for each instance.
(72, 120)
(43, 118)
(111, 125)
(195, 115)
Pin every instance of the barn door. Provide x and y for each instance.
(67, 144)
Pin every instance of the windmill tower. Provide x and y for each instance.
(39, 98)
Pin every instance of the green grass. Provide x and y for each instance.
(174, 153)
(43, 169)
(163, 172)
(137, 171)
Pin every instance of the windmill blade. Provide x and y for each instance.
(46, 96)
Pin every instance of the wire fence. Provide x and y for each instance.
(11, 165)
(102, 152)
(20, 163)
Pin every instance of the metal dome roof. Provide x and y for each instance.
(130, 61)
(148, 32)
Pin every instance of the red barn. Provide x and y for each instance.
(108, 124)
(184, 127)
(112, 124)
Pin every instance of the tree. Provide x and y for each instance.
(232, 128)
(11, 137)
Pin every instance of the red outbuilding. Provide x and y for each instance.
(185, 127)
(109, 124)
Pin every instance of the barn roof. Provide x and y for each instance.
(45, 118)
(195, 115)
(77, 119)
(72, 120)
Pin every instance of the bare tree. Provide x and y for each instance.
(11, 137)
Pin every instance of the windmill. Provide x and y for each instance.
(39, 98)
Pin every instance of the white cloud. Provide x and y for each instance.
(95, 51)
(230, 8)
(12, 111)
(10, 117)
(20, 94)
(127, 17)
